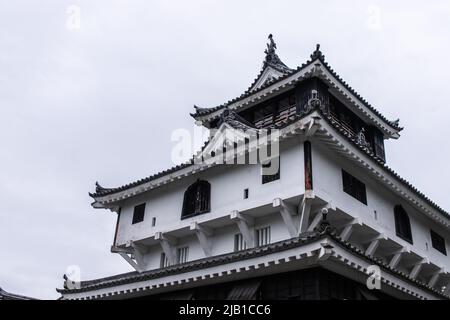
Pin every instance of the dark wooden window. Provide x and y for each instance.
(354, 187)
(308, 166)
(438, 242)
(138, 213)
(402, 224)
(266, 178)
(378, 143)
(153, 221)
(197, 199)
(246, 194)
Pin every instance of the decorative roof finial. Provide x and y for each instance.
(272, 58)
(270, 51)
(99, 188)
(317, 54)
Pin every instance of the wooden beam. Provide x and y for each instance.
(318, 218)
(167, 245)
(417, 268)
(138, 252)
(286, 212)
(434, 279)
(130, 261)
(204, 237)
(398, 256)
(346, 233)
(305, 212)
(243, 224)
(395, 260)
(236, 215)
(373, 246)
(348, 229)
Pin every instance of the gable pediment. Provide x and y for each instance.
(269, 74)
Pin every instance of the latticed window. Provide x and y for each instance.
(138, 213)
(239, 242)
(354, 187)
(164, 261)
(262, 236)
(402, 224)
(182, 254)
(438, 242)
(378, 145)
(197, 199)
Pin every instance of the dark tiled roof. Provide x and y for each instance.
(316, 55)
(206, 111)
(132, 277)
(337, 126)
(390, 171)
(236, 121)
(107, 191)
(233, 121)
(386, 266)
(303, 239)
(11, 296)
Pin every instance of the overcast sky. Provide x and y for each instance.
(99, 100)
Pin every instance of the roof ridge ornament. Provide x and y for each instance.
(317, 54)
(100, 189)
(272, 58)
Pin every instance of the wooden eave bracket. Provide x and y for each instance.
(244, 223)
(204, 237)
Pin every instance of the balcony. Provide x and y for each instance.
(283, 116)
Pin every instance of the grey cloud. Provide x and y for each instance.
(100, 103)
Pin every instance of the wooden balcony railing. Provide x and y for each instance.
(286, 115)
(264, 122)
(282, 117)
(343, 124)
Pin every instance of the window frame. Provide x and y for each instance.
(164, 261)
(191, 194)
(403, 224)
(351, 185)
(138, 217)
(184, 249)
(269, 238)
(436, 236)
(239, 242)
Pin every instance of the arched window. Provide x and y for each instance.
(402, 224)
(197, 199)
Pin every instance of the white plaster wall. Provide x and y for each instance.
(327, 173)
(227, 190)
(222, 240)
